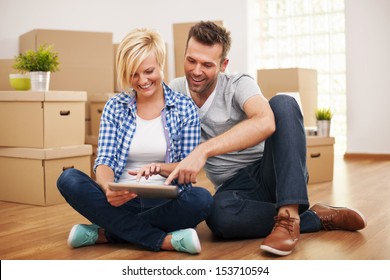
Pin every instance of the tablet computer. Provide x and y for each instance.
(147, 190)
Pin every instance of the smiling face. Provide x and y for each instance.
(202, 64)
(147, 80)
(140, 59)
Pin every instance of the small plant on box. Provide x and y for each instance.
(45, 59)
(323, 114)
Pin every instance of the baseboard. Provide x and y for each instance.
(361, 156)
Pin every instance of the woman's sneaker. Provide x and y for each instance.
(186, 240)
(83, 235)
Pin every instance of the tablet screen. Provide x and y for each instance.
(147, 190)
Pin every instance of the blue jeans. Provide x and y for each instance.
(245, 205)
(141, 221)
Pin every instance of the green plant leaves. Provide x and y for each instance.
(44, 59)
(323, 114)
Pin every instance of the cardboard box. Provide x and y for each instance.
(6, 69)
(96, 104)
(180, 35)
(87, 127)
(86, 58)
(303, 81)
(166, 70)
(92, 140)
(42, 119)
(320, 158)
(116, 85)
(96, 114)
(30, 175)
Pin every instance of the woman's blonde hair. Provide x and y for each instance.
(133, 49)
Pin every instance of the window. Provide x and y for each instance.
(308, 34)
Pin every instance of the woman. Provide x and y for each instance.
(144, 132)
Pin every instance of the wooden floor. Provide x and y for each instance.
(40, 233)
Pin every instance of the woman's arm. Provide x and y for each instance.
(104, 175)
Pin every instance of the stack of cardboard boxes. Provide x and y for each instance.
(320, 150)
(43, 133)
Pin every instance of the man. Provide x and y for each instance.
(252, 150)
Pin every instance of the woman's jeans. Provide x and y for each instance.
(245, 205)
(141, 221)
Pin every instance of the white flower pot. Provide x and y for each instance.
(323, 128)
(40, 81)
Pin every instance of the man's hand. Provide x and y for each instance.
(189, 168)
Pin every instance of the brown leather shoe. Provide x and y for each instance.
(342, 218)
(284, 236)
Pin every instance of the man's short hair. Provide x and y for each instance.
(209, 33)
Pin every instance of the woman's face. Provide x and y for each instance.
(148, 78)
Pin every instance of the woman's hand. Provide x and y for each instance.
(105, 174)
(146, 171)
(118, 198)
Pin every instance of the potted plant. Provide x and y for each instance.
(324, 117)
(40, 64)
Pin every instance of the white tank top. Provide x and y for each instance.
(148, 145)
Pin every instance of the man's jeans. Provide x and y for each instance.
(141, 221)
(245, 205)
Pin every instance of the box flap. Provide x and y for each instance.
(48, 153)
(21, 96)
(43, 96)
(319, 141)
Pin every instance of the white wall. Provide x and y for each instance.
(368, 76)
(119, 17)
(367, 31)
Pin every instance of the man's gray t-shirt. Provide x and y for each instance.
(225, 111)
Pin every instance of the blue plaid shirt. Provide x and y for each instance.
(118, 124)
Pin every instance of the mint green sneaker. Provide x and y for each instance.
(186, 240)
(83, 235)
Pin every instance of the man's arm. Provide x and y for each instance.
(258, 126)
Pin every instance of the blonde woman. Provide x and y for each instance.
(144, 132)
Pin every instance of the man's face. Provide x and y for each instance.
(202, 64)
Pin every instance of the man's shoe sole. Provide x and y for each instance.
(275, 251)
